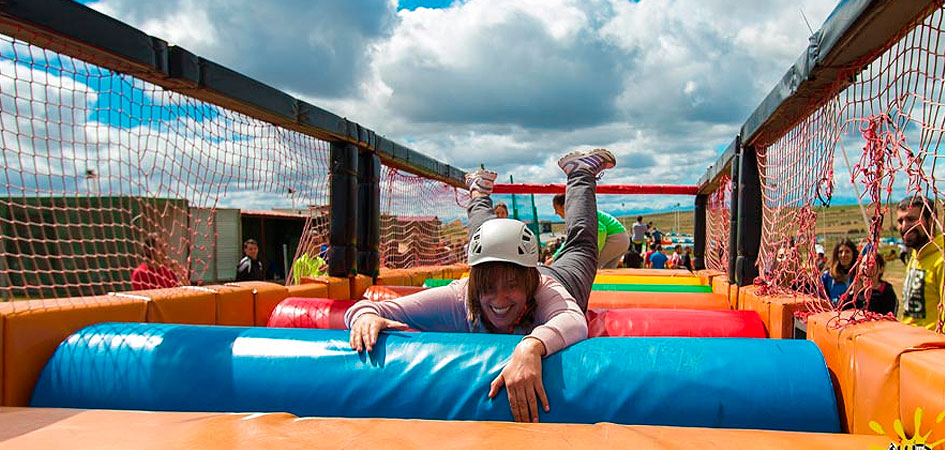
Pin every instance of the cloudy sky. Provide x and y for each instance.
(513, 84)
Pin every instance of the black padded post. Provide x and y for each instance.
(698, 239)
(369, 213)
(733, 218)
(342, 234)
(749, 217)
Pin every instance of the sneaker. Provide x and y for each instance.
(481, 181)
(593, 160)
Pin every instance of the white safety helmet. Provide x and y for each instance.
(504, 240)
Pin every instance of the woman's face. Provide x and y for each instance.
(504, 303)
(845, 255)
(502, 212)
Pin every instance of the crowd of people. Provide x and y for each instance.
(641, 247)
(921, 252)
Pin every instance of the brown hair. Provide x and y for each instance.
(837, 271)
(880, 264)
(481, 279)
(558, 199)
(926, 205)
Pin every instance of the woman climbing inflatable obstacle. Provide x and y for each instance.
(507, 292)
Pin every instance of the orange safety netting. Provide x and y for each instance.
(717, 226)
(103, 173)
(423, 222)
(871, 143)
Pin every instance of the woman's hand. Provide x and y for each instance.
(522, 378)
(365, 329)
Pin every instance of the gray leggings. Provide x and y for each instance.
(576, 265)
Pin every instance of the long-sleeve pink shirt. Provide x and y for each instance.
(559, 320)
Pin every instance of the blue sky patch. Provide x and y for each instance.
(414, 4)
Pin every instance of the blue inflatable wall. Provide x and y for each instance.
(715, 382)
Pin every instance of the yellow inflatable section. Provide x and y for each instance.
(647, 279)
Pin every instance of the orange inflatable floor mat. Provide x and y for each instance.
(36, 428)
(672, 300)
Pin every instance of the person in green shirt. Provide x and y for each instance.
(922, 289)
(612, 238)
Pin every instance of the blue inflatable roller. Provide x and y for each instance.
(715, 382)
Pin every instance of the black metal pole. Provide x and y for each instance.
(342, 234)
(749, 217)
(369, 213)
(733, 217)
(698, 239)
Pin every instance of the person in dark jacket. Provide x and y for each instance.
(883, 298)
(250, 267)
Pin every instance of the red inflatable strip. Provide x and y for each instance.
(297, 312)
(538, 188)
(657, 300)
(378, 293)
(673, 323)
(599, 299)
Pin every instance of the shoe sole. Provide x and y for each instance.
(607, 155)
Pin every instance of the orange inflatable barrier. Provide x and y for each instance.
(265, 298)
(720, 285)
(40, 428)
(922, 385)
(339, 288)
(864, 361)
(661, 300)
(234, 305)
(875, 375)
(420, 274)
(358, 285)
(185, 304)
(776, 311)
(392, 277)
(707, 275)
(30, 332)
(308, 290)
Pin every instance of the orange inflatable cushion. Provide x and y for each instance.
(35, 429)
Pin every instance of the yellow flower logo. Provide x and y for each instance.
(917, 442)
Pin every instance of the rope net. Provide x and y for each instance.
(105, 176)
(869, 145)
(717, 226)
(422, 221)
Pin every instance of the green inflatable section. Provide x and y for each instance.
(430, 282)
(650, 288)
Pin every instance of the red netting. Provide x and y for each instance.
(717, 225)
(422, 221)
(875, 142)
(104, 172)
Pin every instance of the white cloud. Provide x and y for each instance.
(311, 47)
(513, 84)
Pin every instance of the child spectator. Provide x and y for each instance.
(883, 298)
